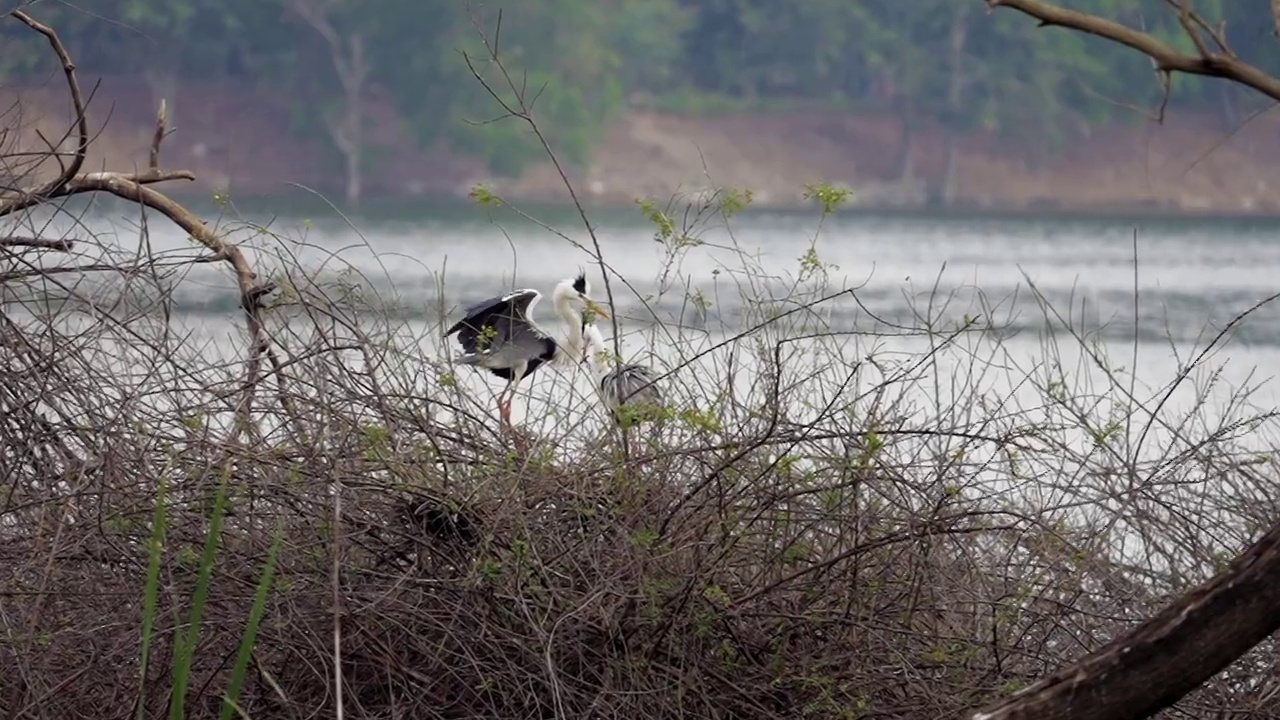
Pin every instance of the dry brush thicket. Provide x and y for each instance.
(869, 534)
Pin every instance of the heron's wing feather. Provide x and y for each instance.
(522, 300)
(498, 335)
(518, 342)
(491, 323)
(631, 383)
(517, 300)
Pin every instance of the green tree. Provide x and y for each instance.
(753, 48)
(578, 61)
(557, 60)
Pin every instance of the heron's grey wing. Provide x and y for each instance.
(499, 336)
(521, 341)
(631, 383)
(488, 324)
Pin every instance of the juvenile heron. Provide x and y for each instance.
(629, 385)
(498, 335)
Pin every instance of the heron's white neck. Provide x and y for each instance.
(594, 348)
(571, 349)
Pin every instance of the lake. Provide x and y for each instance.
(911, 281)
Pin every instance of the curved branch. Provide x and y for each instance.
(1210, 64)
(77, 104)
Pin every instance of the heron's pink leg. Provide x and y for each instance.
(510, 394)
(504, 408)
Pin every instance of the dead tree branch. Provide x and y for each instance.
(158, 137)
(15, 241)
(1207, 62)
(134, 187)
(77, 103)
(1192, 24)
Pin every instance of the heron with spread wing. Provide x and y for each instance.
(498, 335)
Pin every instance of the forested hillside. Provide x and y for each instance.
(934, 63)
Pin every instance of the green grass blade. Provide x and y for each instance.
(251, 630)
(151, 593)
(185, 652)
(240, 711)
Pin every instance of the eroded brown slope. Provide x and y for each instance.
(240, 139)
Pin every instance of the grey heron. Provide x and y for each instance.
(498, 335)
(628, 385)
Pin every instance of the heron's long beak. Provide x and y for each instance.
(594, 307)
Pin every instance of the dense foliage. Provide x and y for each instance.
(944, 59)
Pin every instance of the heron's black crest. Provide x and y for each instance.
(580, 282)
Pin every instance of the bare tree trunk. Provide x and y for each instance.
(348, 145)
(955, 89)
(350, 136)
(350, 62)
(906, 160)
(355, 176)
(949, 174)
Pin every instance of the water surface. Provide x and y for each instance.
(1043, 290)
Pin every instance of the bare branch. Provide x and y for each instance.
(523, 109)
(64, 245)
(1157, 116)
(1167, 59)
(77, 103)
(1190, 27)
(158, 137)
(348, 57)
(319, 21)
(53, 151)
(1190, 19)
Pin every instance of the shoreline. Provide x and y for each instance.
(302, 202)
